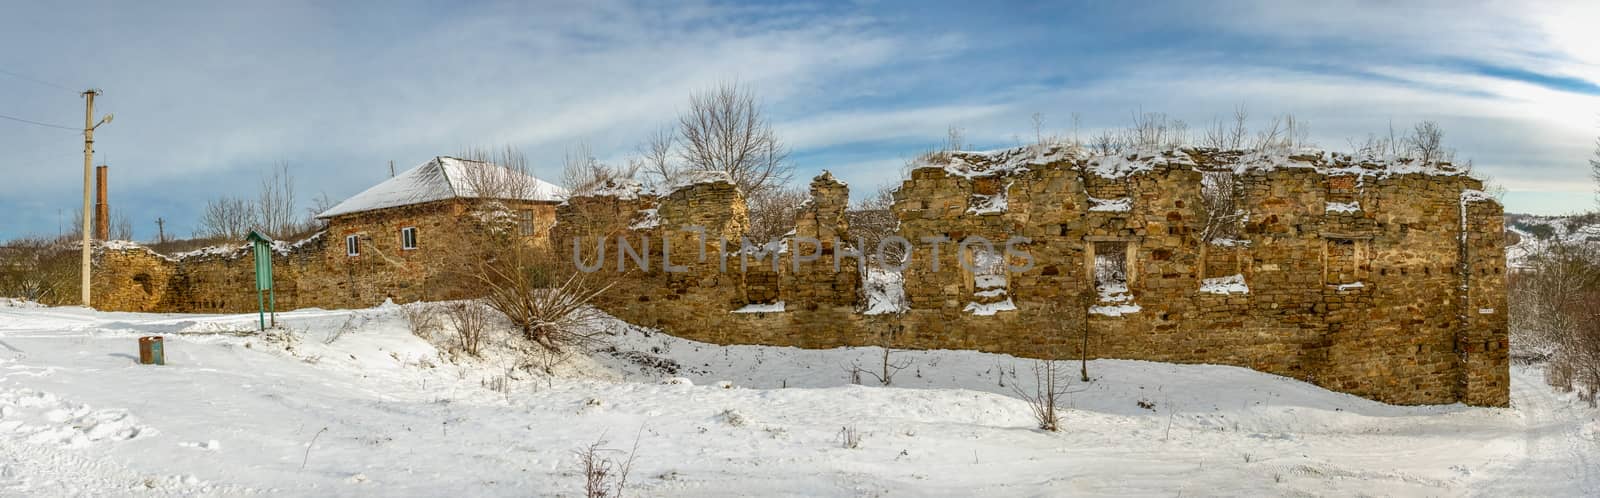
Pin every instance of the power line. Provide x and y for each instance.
(2, 116)
(36, 80)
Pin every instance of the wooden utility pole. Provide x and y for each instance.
(161, 230)
(391, 169)
(89, 125)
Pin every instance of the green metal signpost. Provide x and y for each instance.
(261, 246)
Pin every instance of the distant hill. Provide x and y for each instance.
(1528, 234)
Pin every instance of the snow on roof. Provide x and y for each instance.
(441, 178)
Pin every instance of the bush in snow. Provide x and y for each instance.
(422, 318)
(545, 300)
(1049, 389)
(470, 319)
(604, 477)
(849, 437)
(39, 269)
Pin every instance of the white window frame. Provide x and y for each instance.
(411, 233)
(352, 245)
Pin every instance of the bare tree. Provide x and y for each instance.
(275, 203)
(1221, 207)
(871, 220)
(121, 227)
(497, 173)
(582, 173)
(1594, 167)
(226, 218)
(657, 155)
(726, 130)
(1155, 130)
(1426, 143)
(1108, 142)
(772, 212)
(1236, 134)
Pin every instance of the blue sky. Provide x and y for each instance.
(209, 95)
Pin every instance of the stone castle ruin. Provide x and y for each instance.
(1383, 279)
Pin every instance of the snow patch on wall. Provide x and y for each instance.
(1118, 205)
(1231, 284)
(1344, 207)
(989, 309)
(776, 307)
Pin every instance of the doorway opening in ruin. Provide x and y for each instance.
(1111, 265)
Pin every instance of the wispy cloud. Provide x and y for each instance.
(208, 95)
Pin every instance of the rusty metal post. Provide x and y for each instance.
(102, 211)
(150, 351)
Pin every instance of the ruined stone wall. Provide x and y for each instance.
(1383, 280)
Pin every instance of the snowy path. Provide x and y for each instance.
(374, 410)
(1561, 448)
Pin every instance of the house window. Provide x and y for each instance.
(525, 221)
(352, 246)
(408, 238)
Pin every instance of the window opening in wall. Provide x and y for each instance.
(985, 270)
(1111, 272)
(525, 222)
(352, 246)
(1111, 265)
(408, 238)
(1223, 211)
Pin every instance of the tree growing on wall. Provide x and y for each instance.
(581, 172)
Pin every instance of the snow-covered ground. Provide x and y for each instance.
(352, 403)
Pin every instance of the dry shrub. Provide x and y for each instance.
(40, 270)
(470, 319)
(422, 318)
(1049, 389)
(546, 301)
(604, 477)
(849, 437)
